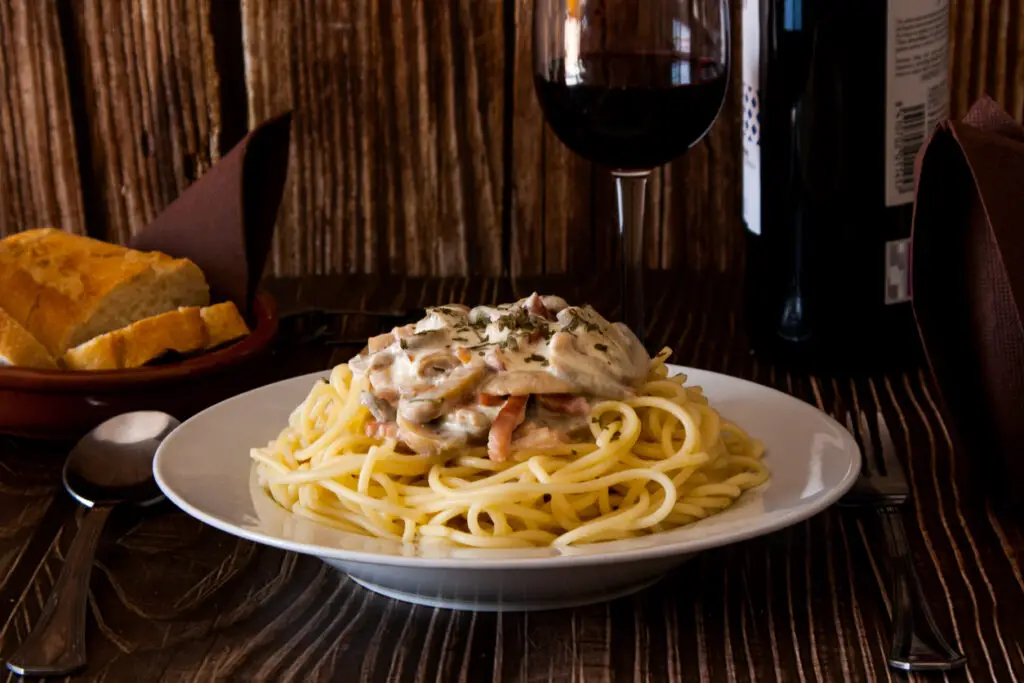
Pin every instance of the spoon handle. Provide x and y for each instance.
(56, 645)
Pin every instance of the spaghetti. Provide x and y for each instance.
(655, 461)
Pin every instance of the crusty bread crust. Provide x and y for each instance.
(21, 349)
(65, 289)
(186, 330)
(223, 324)
(141, 342)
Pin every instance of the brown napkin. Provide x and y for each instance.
(224, 221)
(968, 283)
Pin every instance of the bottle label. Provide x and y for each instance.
(916, 88)
(751, 20)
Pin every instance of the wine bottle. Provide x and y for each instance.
(839, 96)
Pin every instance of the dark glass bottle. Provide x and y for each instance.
(839, 97)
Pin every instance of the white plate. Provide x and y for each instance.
(205, 469)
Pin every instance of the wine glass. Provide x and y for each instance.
(631, 85)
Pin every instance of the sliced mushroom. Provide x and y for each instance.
(473, 423)
(434, 402)
(420, 409)
(380, 409)
(425, 339)
(427, 441)
(555, 304)
(637, 360)
(437, 364)
(381, 381)
(583, 370)
(524, 382)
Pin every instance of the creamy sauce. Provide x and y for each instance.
(446, 381)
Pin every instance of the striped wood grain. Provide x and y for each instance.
(419, 145)
(39, 181)
(150, 116)
(808, 603)
(396, 162)
(987, 54)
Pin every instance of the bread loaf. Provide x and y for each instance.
(21, 349)
(65, 289)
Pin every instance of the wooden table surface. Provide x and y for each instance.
(173, 600)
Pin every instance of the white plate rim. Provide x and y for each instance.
(668, 549)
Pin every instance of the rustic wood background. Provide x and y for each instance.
(109, 109)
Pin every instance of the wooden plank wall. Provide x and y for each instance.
(418, 145)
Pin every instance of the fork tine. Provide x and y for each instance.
(892, 464)
(878, 462)
(868, 465)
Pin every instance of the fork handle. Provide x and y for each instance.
(917, 644)
(56, 645)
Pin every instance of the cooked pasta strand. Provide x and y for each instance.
(660, 460)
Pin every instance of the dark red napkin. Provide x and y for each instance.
(968, 283)
(224, 222)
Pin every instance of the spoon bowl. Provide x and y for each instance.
(113, 463)
(109, 466)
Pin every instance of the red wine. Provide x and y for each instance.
(631, 111)
(839, 96)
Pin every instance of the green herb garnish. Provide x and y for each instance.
(404, 345)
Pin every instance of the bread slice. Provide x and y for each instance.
(223, 324)
(141, 342)
(65, 289)
(21, 349)
(185, 331)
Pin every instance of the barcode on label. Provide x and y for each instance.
(910, 133)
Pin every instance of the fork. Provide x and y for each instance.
(917, 644)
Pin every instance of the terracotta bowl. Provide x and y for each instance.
(56, 404)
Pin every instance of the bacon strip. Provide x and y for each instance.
(509, 417)
(565, 404)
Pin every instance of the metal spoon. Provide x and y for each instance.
(111, 465)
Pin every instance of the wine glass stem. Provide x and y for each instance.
(630, 189)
